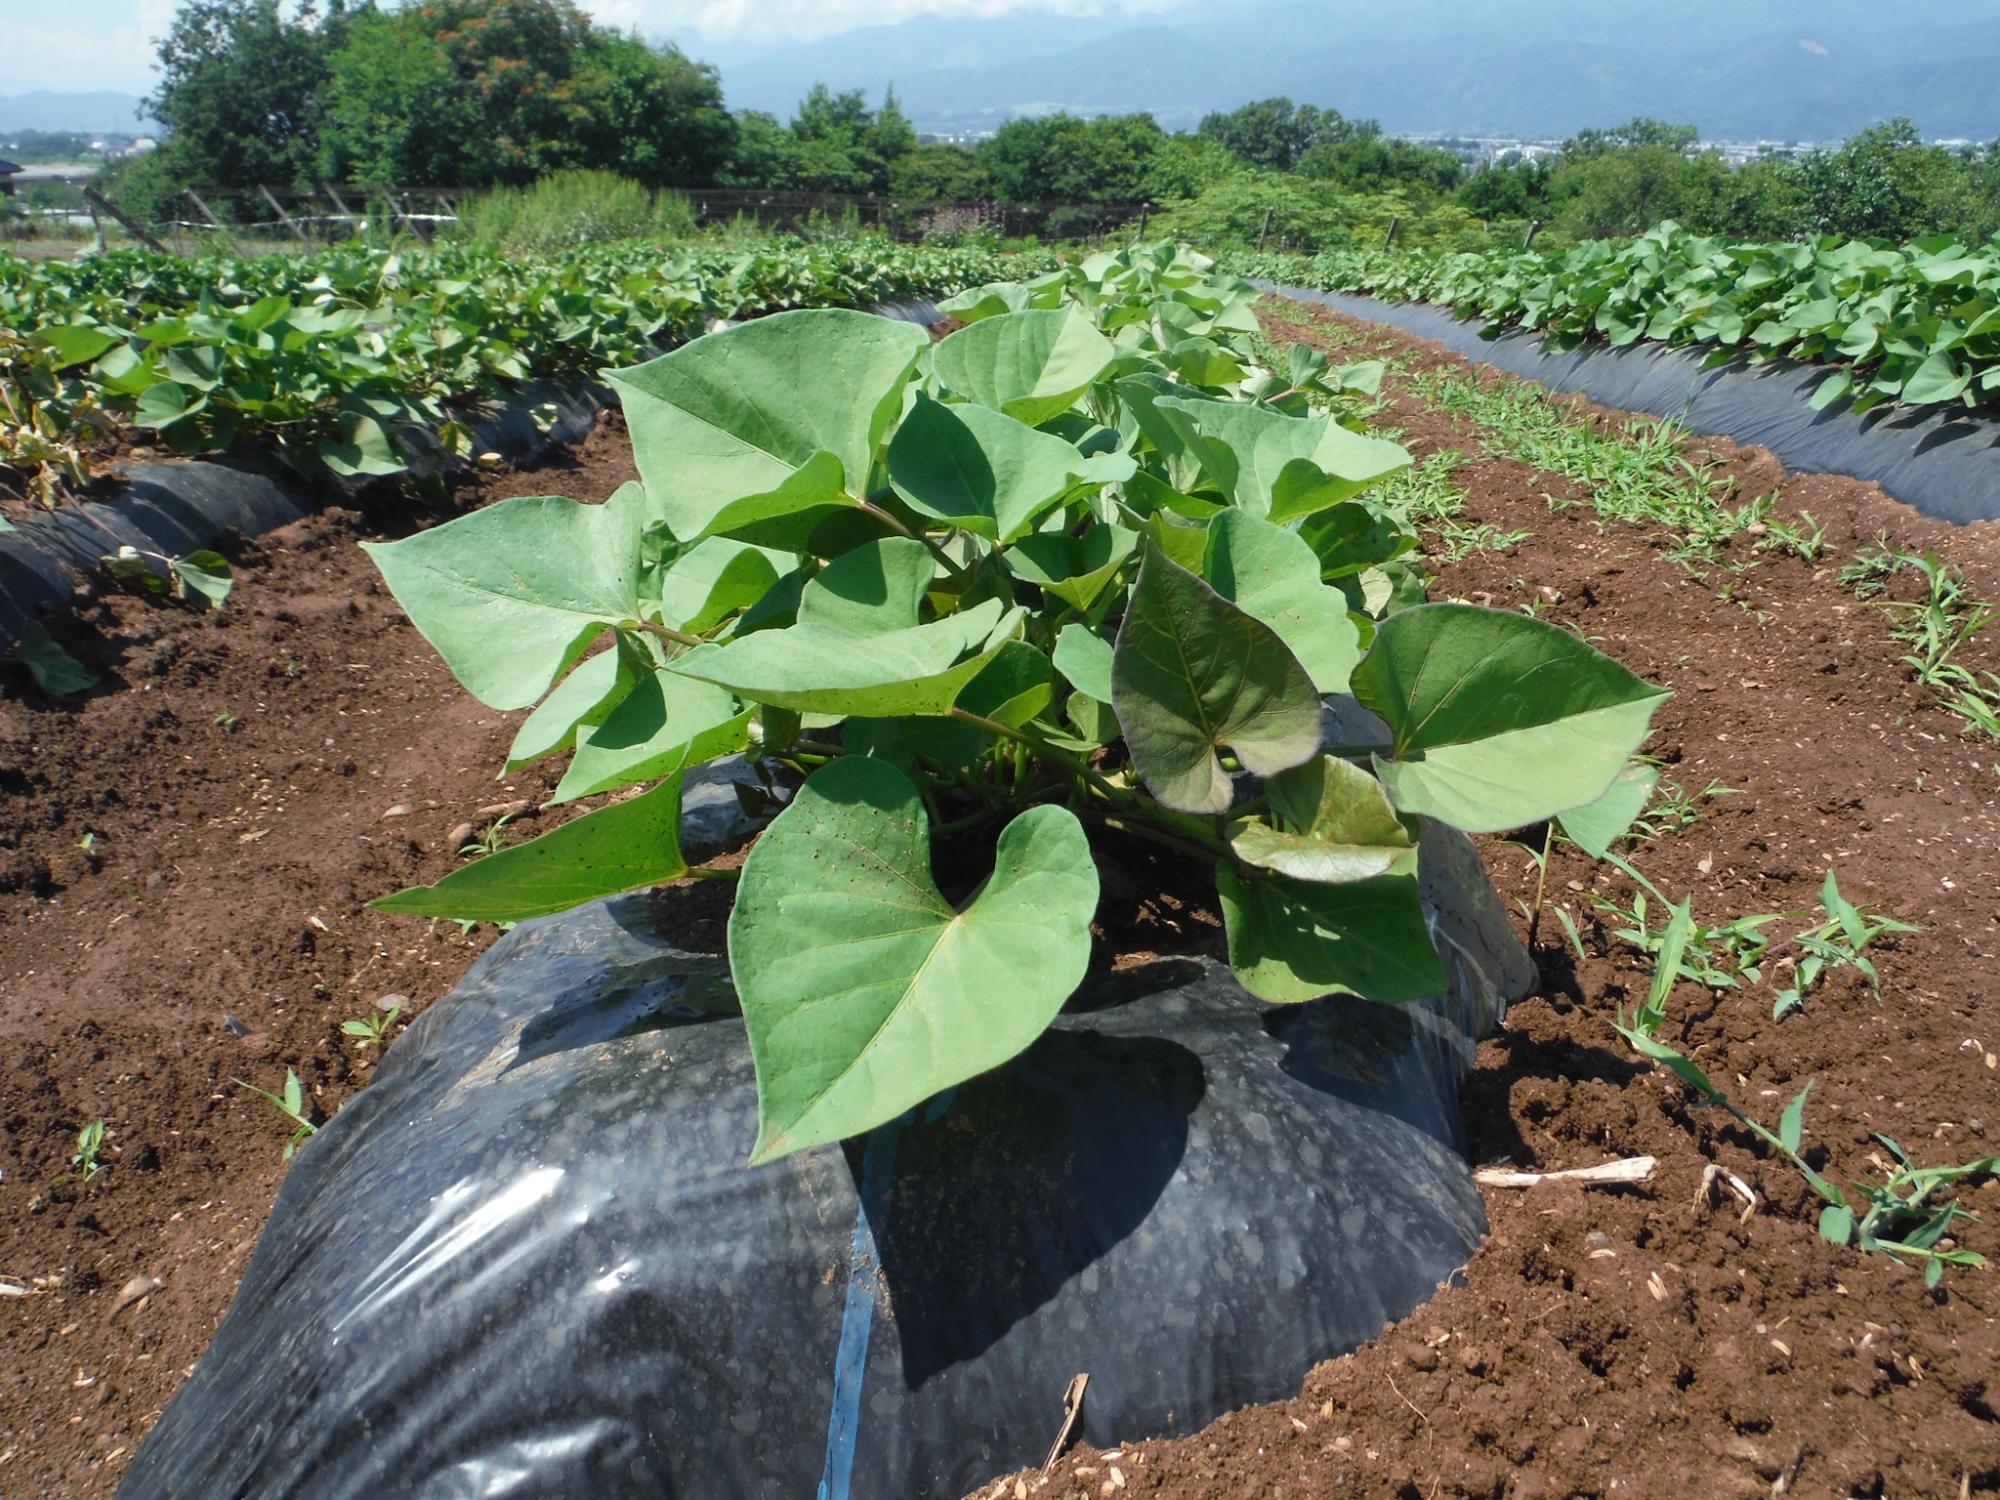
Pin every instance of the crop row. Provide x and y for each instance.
(1917, 324)
(363, 361)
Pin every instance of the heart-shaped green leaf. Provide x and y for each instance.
(1073, 568)
(979, 469)
(864, 992)
(1596, 826)
(871, 589)
(1277, 466)
(716, 578)
(590, 692)
(666, 724)
(728, 438)
(1030, 365)
(1293, 940)
(817, 668)
(618, 848)
(510, 595)
(1084, 657)
(1273, 574)
(1191, 673)
(1330, 822)
(1499, 720)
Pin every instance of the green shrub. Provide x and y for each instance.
(579, 207)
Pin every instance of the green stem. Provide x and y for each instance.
(668, 633)
(888, 519)
(709, 872)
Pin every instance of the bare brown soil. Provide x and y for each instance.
(1630, 1343)
(245, 782)
(1653, 1341)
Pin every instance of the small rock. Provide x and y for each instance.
(392, 1001)
(235, 1027)
(1422, 1357)
(460, 835)
(400, 810)
(512, 809)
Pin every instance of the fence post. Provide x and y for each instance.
(1395, 223)
(1145, 212)
(97, 200)
(350, 223)
(1534, 228)
(283, 217)
(209, 214)
(1265, 233)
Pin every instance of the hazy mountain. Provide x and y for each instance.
(93, 112)
(1776, 69)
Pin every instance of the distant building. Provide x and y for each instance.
(8, 172)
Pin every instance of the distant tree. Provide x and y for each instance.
(1885, 182)
(1061, 158)
(239, 91)
(834, 144)
(1606, 193)
(482, 92)
(939, 172)
(1507, 190)
(1637, 132)
(1370, 162)
(1275, 133)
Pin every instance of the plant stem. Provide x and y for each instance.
(668, 633)
(888, 519)
(709, 872)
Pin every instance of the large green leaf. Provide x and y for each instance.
(871, 589)
(1273, 574)
(1330, 822)
(1498, 720)
(1084, 657)
(618, 848)
(1030, 365)
(864, 992)
(590, 692)
(665, 724)
(979, 469)
(1074, 569)
(817, 668)
(1277, 466)
(1293, 940)
(716, 578)
(1191, 673)
(767, 420)
(510, 595)
(1596, 826)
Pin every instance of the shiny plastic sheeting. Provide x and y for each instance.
(1944, 461)
(528, 1260)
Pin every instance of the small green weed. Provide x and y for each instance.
(84, 1164)
(1675, 809)
(1841, 942)
(489, 841)
(292, 1105)
(1935, 628)
(1896, 1216)
(373, 1030)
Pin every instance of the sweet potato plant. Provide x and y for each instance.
(1083, 564)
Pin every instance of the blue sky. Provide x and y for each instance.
(108, 44)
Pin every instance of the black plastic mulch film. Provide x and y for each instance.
(527, 1260)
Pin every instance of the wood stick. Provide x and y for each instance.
(1607, 1174)
(1072, 1414)
(97, 200)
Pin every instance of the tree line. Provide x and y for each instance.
(495, 93)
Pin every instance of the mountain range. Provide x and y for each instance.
(1737, 69)
(94, 113)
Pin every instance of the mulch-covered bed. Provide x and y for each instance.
(249, 780)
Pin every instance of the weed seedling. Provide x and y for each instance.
(1896, 1214)
(292, 1105)
(1839, 943)
(1675, 809)
(490, 841)
(373, 1030)
(84, 1164)
(224, 720)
